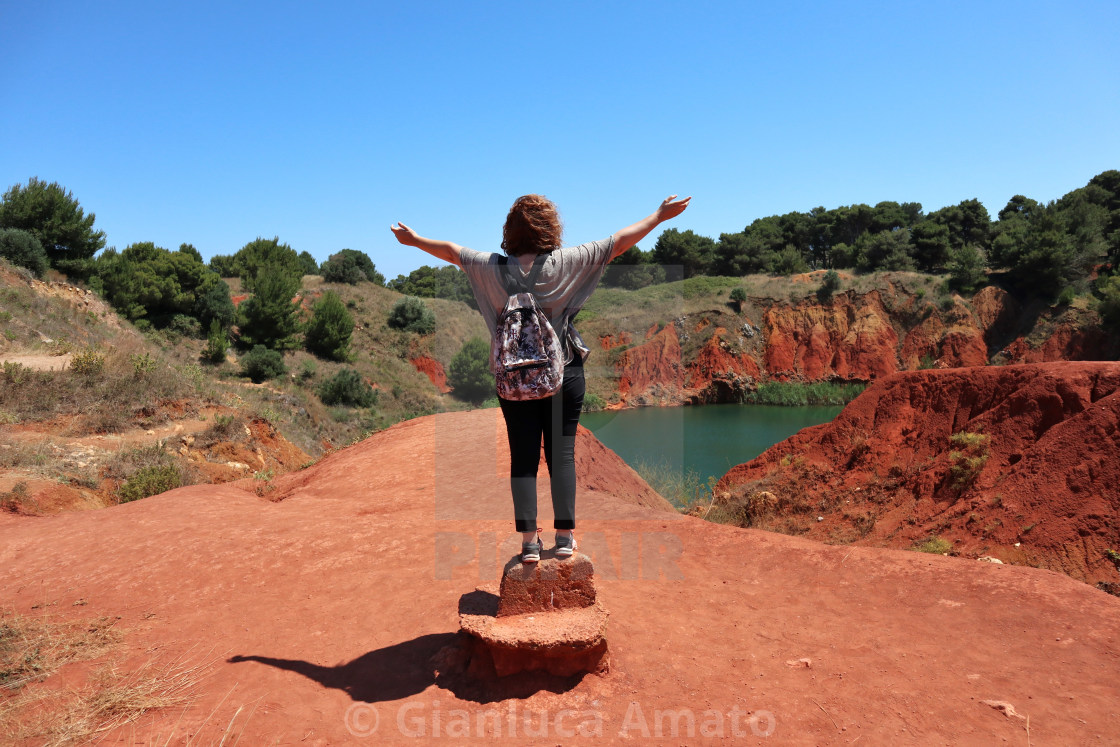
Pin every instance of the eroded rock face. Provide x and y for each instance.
(655, 364)
(851, 337)
(1043, 486)
(814, 341)
(718, 374)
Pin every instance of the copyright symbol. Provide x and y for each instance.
(361, 720)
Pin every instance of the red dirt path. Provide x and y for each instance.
(332, 602)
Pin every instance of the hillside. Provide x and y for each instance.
(152, 411)
(72, 443)
(1019, 463)
(320, 618)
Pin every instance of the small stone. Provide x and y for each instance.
(1003, 705)
(551, 584)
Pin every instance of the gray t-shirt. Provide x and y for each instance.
(567, 279)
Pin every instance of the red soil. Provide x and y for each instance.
(325, 610)
(881, 473)
(433, 369)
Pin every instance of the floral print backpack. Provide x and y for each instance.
(525, 354)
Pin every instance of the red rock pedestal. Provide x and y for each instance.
(547, 617)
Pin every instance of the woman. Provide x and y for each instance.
(564, 282)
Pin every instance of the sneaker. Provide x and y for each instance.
(566, 545)
(531, 552)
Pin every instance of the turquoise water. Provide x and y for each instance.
(708, 440)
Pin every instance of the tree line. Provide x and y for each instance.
(1041, 249)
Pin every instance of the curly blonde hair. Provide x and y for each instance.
(532, 226)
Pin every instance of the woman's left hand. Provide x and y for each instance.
(405, 235)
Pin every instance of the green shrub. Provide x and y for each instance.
(829, 285)
(436, 282)
(682, 488)
(14, 500)
(1109, 305)
(213, 302)
(307, 372)
(142, 364)
(412, 315)
(187, 326)
(347, 388)
(262, 363)
(966, 269)
(225, 428)
(469, 372)
(966, 463)
(351, 266)
(149, 281)
(934, 545)
(150, 480)
(593, 402)
(14, 372)
(23, 250)
(797, 394)
(50, 213)
(253, 258)
(87, 363)
(310, 266)
(328, 332)
(269, 317)
(224, 265)
(217, 343)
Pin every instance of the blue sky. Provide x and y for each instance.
(215, 123)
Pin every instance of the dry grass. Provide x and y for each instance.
(105, 398)
(34, 648)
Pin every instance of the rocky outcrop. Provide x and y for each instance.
(545, 617)
(1064, 343)
(1021, 463)
(719, 374)
(433, 369)
(651, 372)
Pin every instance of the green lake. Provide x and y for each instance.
(707, 440)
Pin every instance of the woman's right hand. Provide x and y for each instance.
(671, 207)
(405, 235)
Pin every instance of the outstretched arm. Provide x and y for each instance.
(631, 235)
(444, 250)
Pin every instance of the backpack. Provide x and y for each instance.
(525, 353)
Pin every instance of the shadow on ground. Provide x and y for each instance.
(409, 668)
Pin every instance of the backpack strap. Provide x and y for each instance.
(513, 279)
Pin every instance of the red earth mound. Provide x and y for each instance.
(330, 617)
(1021, 463)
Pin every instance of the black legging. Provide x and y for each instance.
(556, 418)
